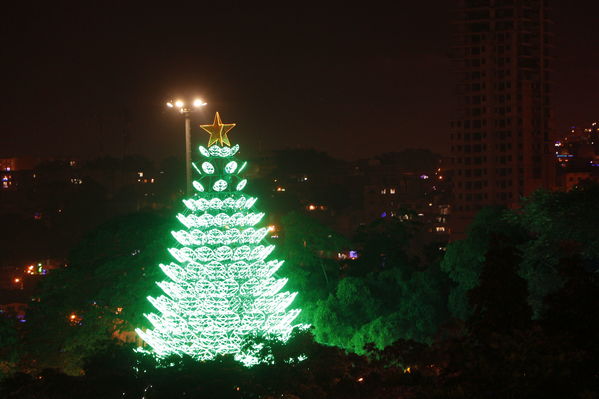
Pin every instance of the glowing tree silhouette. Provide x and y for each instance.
(221, 287)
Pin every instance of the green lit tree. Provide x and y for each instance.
(221, 288)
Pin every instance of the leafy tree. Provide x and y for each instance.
(560, 225)
(572, 313)
(101, 286)
(9, 345)
(383, 244)
(464, 260)
(386, 295)
(500, 302)
(549, 226)
(310, 250)
(381, 308)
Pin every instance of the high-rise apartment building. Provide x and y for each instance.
(501, 135)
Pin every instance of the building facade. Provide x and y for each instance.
(501, 134)
(577, 155)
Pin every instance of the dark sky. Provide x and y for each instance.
(85, 80)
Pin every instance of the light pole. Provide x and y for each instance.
(186, 111)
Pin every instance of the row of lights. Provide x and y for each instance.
(197, 103)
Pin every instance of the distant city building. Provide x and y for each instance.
(501, 135)
(15, 171)
(577, 156)
(390, 191)
(407, 185)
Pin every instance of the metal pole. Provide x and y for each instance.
(188, 152)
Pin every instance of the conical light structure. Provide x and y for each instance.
(221, 285)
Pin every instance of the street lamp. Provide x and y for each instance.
(186, 110)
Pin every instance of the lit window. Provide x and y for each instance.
(391, 191)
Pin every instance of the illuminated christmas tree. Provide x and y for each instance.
(221, 287)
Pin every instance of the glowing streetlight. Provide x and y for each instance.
(186, 111)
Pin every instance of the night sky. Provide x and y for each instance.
(84, 80)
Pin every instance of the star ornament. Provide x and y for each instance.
(218, 131)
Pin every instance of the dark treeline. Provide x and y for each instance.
(510, 311)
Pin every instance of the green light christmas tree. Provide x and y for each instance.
(221, 288)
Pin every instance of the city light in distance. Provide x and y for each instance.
(74, 318)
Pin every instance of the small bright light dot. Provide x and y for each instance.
(198, 103)
(169, 104)
(179, 103)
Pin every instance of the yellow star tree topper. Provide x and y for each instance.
(218, 131)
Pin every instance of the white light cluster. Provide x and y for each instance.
(222, 253)
(219, 271)
(222, 219)
(230, 167)
(198, 186)
(219, 152)
(219, 185)
(241, 185)
(216, 236)
(203, 204)
(207, 168)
